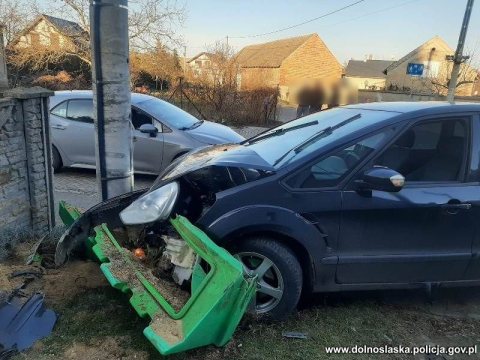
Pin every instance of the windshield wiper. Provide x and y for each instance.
(319, 135)
(282, 131)
(194, 126)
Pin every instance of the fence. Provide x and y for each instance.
(26, 195)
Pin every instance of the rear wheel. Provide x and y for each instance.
(56, 160)
(279, 275)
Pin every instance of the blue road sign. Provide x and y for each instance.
(415, 69)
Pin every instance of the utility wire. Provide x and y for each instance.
(297, 25)
(372, 13)
(326, 26)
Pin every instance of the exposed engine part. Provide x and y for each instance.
(181, 255)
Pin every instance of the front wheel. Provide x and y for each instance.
(279, 275)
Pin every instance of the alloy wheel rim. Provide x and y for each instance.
(270, 285)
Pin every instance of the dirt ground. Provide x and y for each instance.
(59, 285)
(97, 322)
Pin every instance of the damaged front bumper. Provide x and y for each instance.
(218, 298)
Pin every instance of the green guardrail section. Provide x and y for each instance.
(217, 301)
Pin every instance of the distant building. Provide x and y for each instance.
(3, 64)
(49, 31)
(367, 74)
(426, 70)
(200, 64)
(476, 86)
(285, 63)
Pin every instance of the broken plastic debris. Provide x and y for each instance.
(218, 298)
(23, 323)
(294, 335)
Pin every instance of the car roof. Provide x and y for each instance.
(422, 107)
(88, 94)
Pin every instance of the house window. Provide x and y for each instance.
(431, 69)
(35, 39)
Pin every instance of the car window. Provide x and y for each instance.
(333, 169)
(427, 135)
(168, 113)
(80, 110)
(60, 109)
(430, 152)
(139, 118)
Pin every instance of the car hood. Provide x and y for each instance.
(229, 155)
(213, 133)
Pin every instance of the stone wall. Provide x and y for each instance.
(26, 197)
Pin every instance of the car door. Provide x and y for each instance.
(148, 149)
(425, 231)
(315, 191)
(73, 130)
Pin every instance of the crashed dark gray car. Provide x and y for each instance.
(370, 196)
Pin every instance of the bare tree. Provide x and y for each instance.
(150, 22)
(160, 65)
(15, 15)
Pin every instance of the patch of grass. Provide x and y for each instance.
(105, 313)
(97, 314)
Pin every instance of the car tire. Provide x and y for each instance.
(56, 160)
(284, 274)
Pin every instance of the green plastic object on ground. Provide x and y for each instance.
(218, 298)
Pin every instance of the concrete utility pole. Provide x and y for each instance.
(3, 63)
(111, 89)
(458, 58)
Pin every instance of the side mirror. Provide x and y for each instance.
(149, 129)
(382, 179)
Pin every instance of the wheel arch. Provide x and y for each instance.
(278, 223)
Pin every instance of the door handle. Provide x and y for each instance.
(457, 206)
(59, 127)
(454, 208)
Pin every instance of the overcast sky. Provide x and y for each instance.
(392, 32)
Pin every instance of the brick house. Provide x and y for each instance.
(286, 62)
(436, 71)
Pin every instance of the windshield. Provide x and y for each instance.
(168, 113)
(298, 138)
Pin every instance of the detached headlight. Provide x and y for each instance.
(153, 206)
